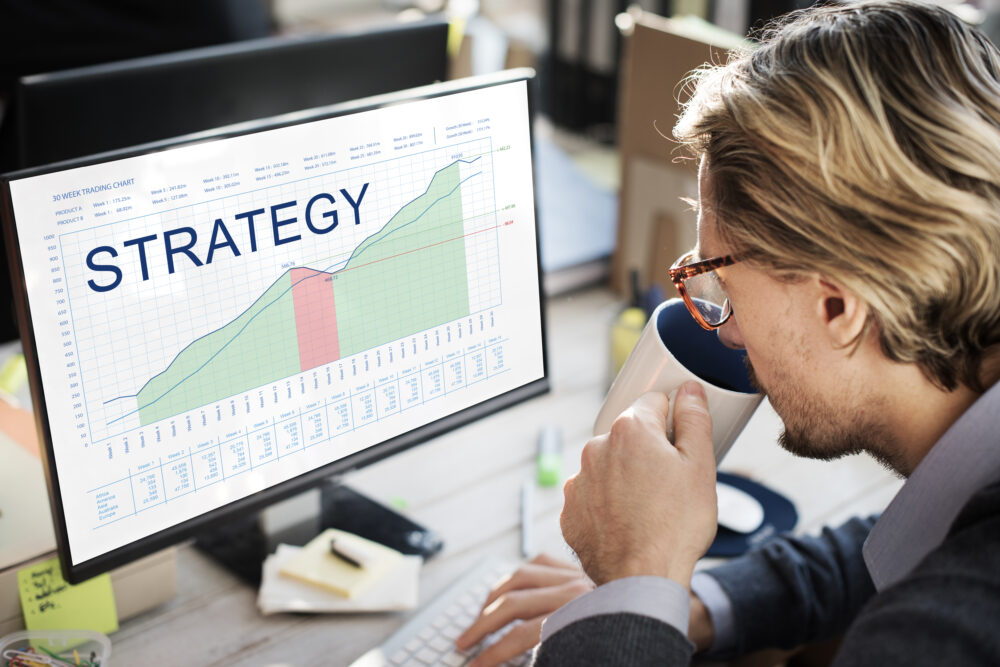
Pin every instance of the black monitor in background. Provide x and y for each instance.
(90, 110)
(214, 325)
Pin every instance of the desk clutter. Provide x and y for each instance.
(55, 648)
(338, 572)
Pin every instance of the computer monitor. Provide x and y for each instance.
(89, 110)
(216, 325)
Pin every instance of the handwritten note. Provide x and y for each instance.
(49, 603)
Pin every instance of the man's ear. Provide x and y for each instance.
(841, 313)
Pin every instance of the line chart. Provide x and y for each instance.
(309, 317)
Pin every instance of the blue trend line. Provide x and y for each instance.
(118, 398)
(317, 272)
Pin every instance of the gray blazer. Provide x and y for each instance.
(795, 591)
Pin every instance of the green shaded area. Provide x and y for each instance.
(258, 347)
(409, 276)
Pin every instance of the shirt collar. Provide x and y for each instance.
(964, 460)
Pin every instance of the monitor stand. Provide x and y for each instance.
(242, 543)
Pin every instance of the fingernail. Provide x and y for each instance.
(693, 389)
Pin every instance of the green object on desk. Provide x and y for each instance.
(549, 460)
(49, 603)
(549, 469)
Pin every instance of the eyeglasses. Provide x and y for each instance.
(701, 290)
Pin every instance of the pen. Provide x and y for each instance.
(527, 516)
(346, 554)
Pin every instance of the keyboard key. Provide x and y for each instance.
(400, 657)
(427, 633)
(453, 610)
(440, 644)
(452, 632)
(453, 660)
(441, 622)
(427, 656)
(413, 645)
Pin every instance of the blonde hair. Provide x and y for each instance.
(862, 142)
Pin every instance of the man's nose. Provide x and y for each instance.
(730, 335)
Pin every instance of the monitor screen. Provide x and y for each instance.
(213, 326)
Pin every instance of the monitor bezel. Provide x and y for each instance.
(75, 573)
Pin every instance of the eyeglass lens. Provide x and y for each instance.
(708, 297)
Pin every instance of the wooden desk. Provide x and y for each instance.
(466, 486)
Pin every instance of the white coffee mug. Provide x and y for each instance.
(673, 349)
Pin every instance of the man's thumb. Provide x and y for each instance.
(692, 423)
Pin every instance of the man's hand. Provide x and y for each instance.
(639, 505)
(530, 594)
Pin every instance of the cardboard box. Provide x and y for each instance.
(654, 222)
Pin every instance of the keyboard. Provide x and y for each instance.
(429, 637)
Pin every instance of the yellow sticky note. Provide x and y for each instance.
(49, 603)
(314, 564)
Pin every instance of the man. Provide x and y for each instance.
(850, 222)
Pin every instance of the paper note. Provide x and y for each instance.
(315, 565)
(398, 590)
(49, 603)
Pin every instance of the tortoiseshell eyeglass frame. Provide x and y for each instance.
(684, 268)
